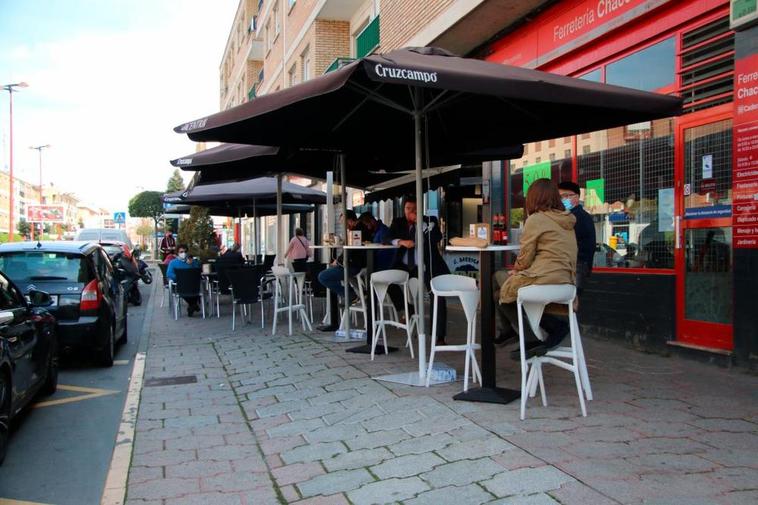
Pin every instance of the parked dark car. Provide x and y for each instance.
(28, 352)
(87, 295)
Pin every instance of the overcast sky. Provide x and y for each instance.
(108, 80)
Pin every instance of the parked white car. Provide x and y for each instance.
(104, 235)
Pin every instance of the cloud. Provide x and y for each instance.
(107, 101)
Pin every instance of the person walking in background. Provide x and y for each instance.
(298, 251)
(584, 231)
(547, 256)
(168, 245)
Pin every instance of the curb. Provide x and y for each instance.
(114, 492)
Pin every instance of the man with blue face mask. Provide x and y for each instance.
(584, 230)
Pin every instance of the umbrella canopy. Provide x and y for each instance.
(259, 210)
(232, 162)
(242, 193)
(470, 106)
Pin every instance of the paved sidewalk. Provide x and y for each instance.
(295, 419)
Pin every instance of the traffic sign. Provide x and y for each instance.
(119, 217)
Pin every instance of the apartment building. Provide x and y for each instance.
(25, 193)
(54, 195)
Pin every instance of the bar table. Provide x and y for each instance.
(371, 249)
(489, 392)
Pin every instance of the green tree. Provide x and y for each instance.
(148, 204)
(175, 182)
(197, 233)
(23, 228)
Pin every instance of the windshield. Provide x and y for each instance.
(40, 266)
(112, 249)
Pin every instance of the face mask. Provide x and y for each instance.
(183, 255)
(567, 203)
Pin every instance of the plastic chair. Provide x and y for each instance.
(245, 290)
(295, 282)
(533, 299)
(465, 289)
(380, 283)
(188, 284)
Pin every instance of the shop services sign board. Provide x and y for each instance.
(745, 153)
(45, 213)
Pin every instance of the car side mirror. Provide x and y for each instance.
(6, 317)
(39, 298)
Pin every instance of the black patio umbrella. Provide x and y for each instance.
(242, 193)
(452, 105)
(258, 210)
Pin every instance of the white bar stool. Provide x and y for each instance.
(533, 300)
(295, 283)
(413, 296)
(380, 283)
(359, 307)
(465, 289)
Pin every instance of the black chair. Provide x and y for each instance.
(268, 262)
(247, 285)
(189, 284)
(221, 284)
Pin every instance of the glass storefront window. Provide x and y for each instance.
(594, 76)
(627, 180)
(708, 171)
(649, 69)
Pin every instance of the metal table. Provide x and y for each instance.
(489, 392)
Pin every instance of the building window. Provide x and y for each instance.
(551, 143)
(586, 149)
(277, 21)
(291, 3)
(566, 140)
(594, 76)
(649, 69)
(305, 63)
(552, 156)
(537, 147)
(567, 153)
(292, 75)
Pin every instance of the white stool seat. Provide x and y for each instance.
(358, 284)
(465, 289)
(533, 300)
(295, 282)
(380, 283)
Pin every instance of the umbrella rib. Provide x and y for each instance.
(519, 108)
(433, 105)
(371, 94)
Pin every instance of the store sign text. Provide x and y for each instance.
(582, 21)
(404, 73)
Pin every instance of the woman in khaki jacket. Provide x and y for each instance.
(547, 256)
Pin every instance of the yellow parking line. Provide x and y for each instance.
(90, 394)
(6, 501)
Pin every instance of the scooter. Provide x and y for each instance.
(144, 271)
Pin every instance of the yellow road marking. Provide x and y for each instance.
(6, 501)
(90, 393)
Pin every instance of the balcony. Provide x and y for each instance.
(256, 51)
(338, 63)
(368, 39)
(251, 94)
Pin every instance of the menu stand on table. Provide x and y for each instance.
(489, 392)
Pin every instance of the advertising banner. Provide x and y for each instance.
(745, 153)
(45, 213)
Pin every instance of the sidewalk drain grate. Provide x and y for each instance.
(170, 381)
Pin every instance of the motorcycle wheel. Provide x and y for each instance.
(147, 277)
(135, 297)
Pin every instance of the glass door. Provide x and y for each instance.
(704, 260)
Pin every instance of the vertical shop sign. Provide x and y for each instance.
(745, 149)
(595, 193)
(534, 172)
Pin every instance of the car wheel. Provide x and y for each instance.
(105, 355)
(5, 414)
(125, 334)
(51, 377)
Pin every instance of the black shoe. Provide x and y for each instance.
(190, 311)
(327, 327)
(531, 350)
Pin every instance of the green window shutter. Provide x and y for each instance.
(368, 39)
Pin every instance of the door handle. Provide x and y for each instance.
(678, 232)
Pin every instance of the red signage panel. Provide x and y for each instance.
(45, 213)
(745, 149)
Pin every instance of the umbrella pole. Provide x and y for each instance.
(345, 279)
(279, 218)
(420, 233)
(257, 237)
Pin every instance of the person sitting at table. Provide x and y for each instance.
(183, 260)
(233, 254)
(547, 256)
(332, 277)
(299, 251)
(378, 233)
(403, 233)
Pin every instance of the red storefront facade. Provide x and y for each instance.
(675, 201)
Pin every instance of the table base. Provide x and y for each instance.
(489, 395)
(366, 349)
(409, 379)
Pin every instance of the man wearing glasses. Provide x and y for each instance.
(584, 230)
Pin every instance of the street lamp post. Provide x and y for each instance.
(11, 88)
(41, 199)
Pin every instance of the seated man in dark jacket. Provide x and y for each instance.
(332, 277)
(403, 233)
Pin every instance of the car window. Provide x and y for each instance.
(10, 298)
(88, 235)
(29, 266)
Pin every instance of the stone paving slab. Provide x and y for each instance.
(295, 419)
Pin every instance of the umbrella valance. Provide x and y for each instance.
(261, 189)
(259, 210)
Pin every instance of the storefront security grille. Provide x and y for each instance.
(706, 63)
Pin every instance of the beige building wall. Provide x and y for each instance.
(401, 20)
(25, 194)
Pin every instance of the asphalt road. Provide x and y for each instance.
(60, 453)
